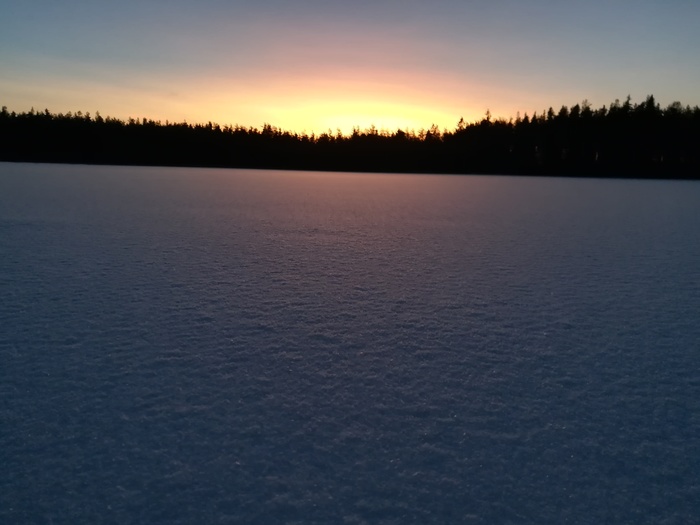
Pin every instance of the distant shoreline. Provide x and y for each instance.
(470, 174)
(623, 141)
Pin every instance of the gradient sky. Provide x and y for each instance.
(311, 65)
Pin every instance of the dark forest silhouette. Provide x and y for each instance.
(622, 140)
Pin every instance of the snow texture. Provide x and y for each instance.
(184, 346)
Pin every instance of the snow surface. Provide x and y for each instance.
(232, 346)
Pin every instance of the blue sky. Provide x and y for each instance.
(318, 65)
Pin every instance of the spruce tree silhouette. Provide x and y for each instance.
(623, 140)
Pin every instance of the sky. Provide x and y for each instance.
(313, 66)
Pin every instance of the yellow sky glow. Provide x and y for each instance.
(314, 66)
(335, 98)
(310, 101)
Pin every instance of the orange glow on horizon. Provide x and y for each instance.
(344, 115)
(331, 99)
(338, 100)
(318, 66)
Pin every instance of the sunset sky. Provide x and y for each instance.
(311, 65)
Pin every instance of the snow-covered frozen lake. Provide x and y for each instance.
(185, 346)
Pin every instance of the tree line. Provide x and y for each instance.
(625, 139)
